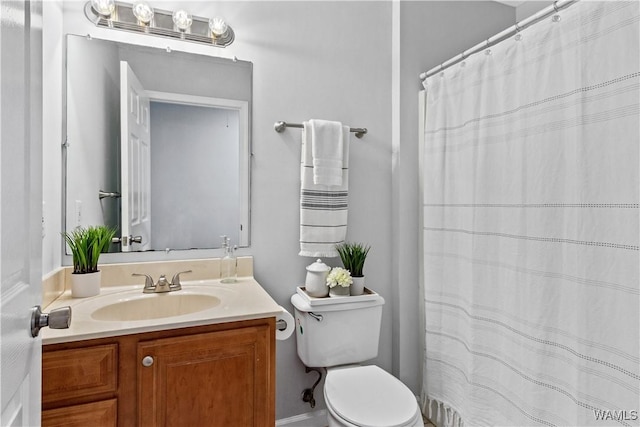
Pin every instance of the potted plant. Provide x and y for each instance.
(86, 245)
(353, 256)
(339, 280)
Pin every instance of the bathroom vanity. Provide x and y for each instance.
(216, 375)
(213, 367)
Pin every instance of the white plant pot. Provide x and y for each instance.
(357, 287)
(85, 285)
(339, 291)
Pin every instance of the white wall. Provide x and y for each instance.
(332, 60)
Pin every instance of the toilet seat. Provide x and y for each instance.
(368, 396)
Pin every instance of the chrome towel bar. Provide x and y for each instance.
(281, 126)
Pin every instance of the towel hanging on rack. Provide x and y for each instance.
(326, 151)
(323, 208)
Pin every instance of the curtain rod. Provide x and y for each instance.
(281, 126)
(544, 13)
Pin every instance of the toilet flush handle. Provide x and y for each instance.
(316, 316)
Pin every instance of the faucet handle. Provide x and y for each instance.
(162, 285)
(148, 282)
(175, 282)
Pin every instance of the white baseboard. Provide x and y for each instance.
(308, 419)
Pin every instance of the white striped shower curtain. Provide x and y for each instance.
(530, 187)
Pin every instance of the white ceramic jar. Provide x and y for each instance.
(316, 282)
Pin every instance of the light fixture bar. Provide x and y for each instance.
(161, 25)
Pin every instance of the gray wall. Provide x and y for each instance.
(93, 101)
(194, 176)
(52, 83)
(430, 33)
(336, 61)
(188, 74)
(530, 7)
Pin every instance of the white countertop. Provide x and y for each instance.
(243, 300)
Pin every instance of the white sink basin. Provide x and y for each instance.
(135, 306)
(121, 310)
(155, 306)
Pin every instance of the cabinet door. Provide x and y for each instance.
(220, 378)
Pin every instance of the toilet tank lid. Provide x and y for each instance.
(302, 305)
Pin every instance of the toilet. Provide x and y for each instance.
(338, 334)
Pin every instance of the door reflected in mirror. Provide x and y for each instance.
(165, 137)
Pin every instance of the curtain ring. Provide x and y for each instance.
(556, 17)
(518, 36)
(487, 50)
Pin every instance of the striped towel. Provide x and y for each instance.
(323, 208)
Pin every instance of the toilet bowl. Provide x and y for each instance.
(340, 334)
(368, 396)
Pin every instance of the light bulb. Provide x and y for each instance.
(103, 7)
(218, 26)
(142, 11)
(182, 19)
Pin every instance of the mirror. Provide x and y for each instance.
(157, 145)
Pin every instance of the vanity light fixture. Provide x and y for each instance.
(142, 11)
(140, 17)
(104, 7)
(182, 19)
(218, 26)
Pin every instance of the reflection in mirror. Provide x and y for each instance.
(165, 137)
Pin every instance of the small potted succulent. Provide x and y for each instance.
(86, 245)
(339, 280)
(353, 256)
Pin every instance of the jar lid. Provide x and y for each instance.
(318, 266)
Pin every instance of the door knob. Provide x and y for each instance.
(147, 361)
(60, 318)
(127, 240)
(102, 194)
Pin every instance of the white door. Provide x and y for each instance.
(20, 210)
(135, 164)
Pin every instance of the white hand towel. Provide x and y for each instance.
(327, 150)
(323, 208)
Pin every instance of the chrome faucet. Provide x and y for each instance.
(163, 285)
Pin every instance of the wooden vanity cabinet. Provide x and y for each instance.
(215, 375)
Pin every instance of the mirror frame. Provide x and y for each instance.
(244, 108)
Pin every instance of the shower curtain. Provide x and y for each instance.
(530, 187)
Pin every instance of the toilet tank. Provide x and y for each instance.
(337, 333)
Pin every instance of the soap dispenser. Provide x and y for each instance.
(228, 266)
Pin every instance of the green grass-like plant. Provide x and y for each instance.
(353, 256)
(86, 245)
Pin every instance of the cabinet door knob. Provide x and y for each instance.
(147, 361)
